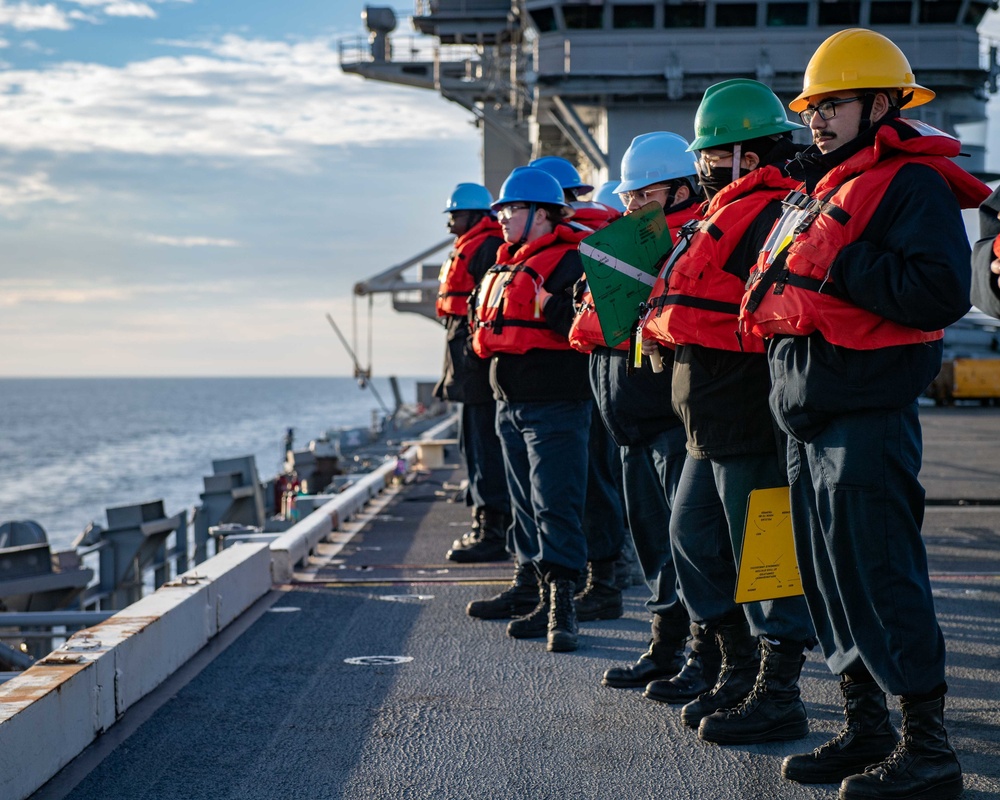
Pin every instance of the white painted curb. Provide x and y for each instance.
(55, 709)
(295, 544)
(51, 712)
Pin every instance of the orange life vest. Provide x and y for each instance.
(456, 281)
(509, 317)
(789, 291)
(594, 215)
(586, 333)
(695, 301)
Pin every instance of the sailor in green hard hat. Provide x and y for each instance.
(738, 125)
(752, 653)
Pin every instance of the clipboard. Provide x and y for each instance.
(768, 567)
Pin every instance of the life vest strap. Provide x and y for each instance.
(701, 303)
(814, 285)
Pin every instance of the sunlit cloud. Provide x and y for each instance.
(30, 17)
(120, 8)
(17, 190)
(190, 241)
(129, 10)
(233, 98)
(16, 292)
(22, 292)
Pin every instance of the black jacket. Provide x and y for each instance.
(465, 377)
(721, 395)
(911, 265)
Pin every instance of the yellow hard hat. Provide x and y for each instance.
(859, 59)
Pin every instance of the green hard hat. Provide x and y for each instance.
(738, 110)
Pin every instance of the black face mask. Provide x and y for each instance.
(718, 179)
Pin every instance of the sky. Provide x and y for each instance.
(188, 187)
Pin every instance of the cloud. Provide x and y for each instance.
(17, 190)
(190, 241)
(17, 292)
(129, 10)
(120, 8)
(29, 17)
(255, 336)
(234, 98)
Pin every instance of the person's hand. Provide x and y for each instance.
(995, 266)
(651, 350)
(542, 296)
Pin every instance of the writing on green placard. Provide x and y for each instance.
(621, 262)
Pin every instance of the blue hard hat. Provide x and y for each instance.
(530, 185)
(564, 172)
(469, 197)
(607, 196)
(655, 158)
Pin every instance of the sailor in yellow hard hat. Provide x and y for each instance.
(867, 264)
(847, 70)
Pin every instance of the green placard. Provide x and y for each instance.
(621, 262)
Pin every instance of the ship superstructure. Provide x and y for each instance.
(581, 79)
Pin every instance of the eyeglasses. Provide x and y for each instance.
(642, 195)
(709, 160)
(508, 211)
(826, 109)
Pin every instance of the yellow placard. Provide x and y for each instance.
(768, 568)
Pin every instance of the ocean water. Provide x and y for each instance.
(72, 447)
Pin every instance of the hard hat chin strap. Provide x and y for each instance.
(528, 222)
(737, 157)
(671, 193)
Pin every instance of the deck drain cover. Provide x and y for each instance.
(377, 661)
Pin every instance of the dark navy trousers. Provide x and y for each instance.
(603, 514)
(483, 457)
(707, 531)
(857, 509)
(651, 472)
(545, 455)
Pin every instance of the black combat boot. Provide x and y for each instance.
(601, 598)
(922, 767)
(696, 675)
(773, 711)
(866, 738)
(562, 616)
(664, 657)
(471, 535)
(534, 624)
(489, 542)
(514, 601)
(737, 671)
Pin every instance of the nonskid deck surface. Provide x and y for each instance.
(307, 702)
